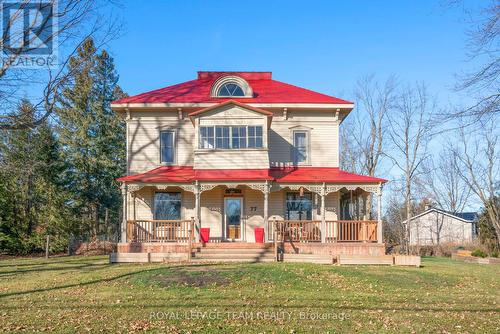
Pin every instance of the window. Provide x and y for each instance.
(222, 137)
(207, 137)
(255, 136)
(230, 89)
(300, 147)
(298, 207)
(238, 137)
(231, 137)
(167, 147)
(167, 206)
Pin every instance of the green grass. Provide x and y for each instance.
(80, 294)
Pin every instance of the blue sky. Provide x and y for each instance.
(321, 45)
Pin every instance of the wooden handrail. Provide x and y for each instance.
(145, 230)
(335, 230)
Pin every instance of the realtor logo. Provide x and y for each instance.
(29, 38)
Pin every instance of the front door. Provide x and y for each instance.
(232, 209)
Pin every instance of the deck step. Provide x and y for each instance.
(228, 260)
(232, 250)
(309, 258)
(232, 256)
(365, 259)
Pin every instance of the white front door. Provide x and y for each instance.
(232, 217)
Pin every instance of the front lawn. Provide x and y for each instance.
(79, 294)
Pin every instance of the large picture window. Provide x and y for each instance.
(301, 147)
(167, 206)
(298, 207)
(231, 137)
(222, 137)
(238, 137)
(207, 139)
(255, 136)
(167, 147)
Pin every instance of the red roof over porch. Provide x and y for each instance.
(183, 174)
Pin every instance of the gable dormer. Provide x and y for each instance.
(231, 134)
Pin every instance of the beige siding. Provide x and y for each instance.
(144, 128)
(332, 206)
(232, 159)
(323, 130)
(253, 209)
(237, 159)
(427, 229)
(212, 207)
(144, 139)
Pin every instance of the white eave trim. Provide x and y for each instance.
(257, 105)
(438, 211)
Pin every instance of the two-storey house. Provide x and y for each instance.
(237, 154)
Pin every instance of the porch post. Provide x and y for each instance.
(323, 214)
(134, 195)
(123, 227)
(197, 194)
(379, 215)
(266, 211)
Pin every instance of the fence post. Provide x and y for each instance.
(275, 240)
(47, 246)
(190, 238)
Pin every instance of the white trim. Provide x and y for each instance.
(295, 161)
(238, 81)
(441, 212)
(257, 105)
(173, 163)
(242, 225)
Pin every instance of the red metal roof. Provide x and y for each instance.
(320, 174)
(176, 174)
(266, 90)
(183, 174)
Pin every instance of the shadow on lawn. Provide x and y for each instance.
(67, 259)
(110, 279)
(309, 304)
(69, 267)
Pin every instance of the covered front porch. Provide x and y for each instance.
(250, 212)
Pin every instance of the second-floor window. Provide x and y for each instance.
(301, 147)
(167, 147)
(231, 137)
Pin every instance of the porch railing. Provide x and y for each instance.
(335, 230)
(160, 231)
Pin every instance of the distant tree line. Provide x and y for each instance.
(57, 177)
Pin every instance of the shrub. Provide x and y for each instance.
(494, 254)
(478, 253)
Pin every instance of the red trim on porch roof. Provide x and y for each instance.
(183, 174)
(319, 174)
(176, 174)
(232, 174)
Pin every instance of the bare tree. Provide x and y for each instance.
(478, 160)
(410, 131)
(443, 182)
(76, 21)
(363, 137)
(483, 83)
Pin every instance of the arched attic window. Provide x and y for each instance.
(231, 86)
